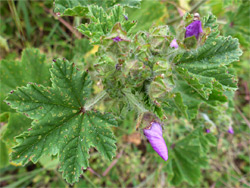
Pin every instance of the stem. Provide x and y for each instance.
(243, 117)
(175, 4)
(134, 101)
(94, 172)
(112, 164)
(90, 103)
(88, 180)
(66, 24)
(16, 19)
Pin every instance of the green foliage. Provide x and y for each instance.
(188, 156)
(151, 13)
(80, 7)
(202, 74)
(17, 124)
(4, 44)
(4, 155)
(103, 24)
(82, 46)
(239, 23)
(139, 75)
(61, 124)
(31, 68)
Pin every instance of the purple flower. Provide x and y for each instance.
(208, 131)
(194, 29)
(230, 130)
(117, 39)
(126, 17)
(154, 136)
(174, 44)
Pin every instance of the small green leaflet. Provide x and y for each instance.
(202, 75)
(60, 122)
(80, 7)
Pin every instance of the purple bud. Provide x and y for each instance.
(174, 44)
(208, 131)
(154, 136)
(117, 39)
(230, 130)
(126, 17)
(194, 29)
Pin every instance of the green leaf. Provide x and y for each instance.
(238, 24)
(80, 7)
(202, 75)
(103, 24)
(61, 123)
(31, 68)
(81, 47)
(17, 123)
(150, 13)
(188, 156)
(4, 155)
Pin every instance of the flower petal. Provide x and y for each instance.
(117, 39)
(230, 130)
(174, 44)
(194, 29)
(154, 136)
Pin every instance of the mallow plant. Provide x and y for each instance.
(155, 73)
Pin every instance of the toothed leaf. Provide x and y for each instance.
(80, 7)
(60, 122)
(202, 75)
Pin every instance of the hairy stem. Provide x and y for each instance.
(134, 101)
(90, 103)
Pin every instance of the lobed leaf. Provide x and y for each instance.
(80, 7)
(103, 24)
(60, 122)
(17, 124)
(31, 68)
(202, 75)
(189, 155)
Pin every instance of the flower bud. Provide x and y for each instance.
(174, 44)
(117, 39)
(230, 130)
(126, 17)
(154, 136)
(194, 29)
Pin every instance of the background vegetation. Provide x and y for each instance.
(33, 24)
